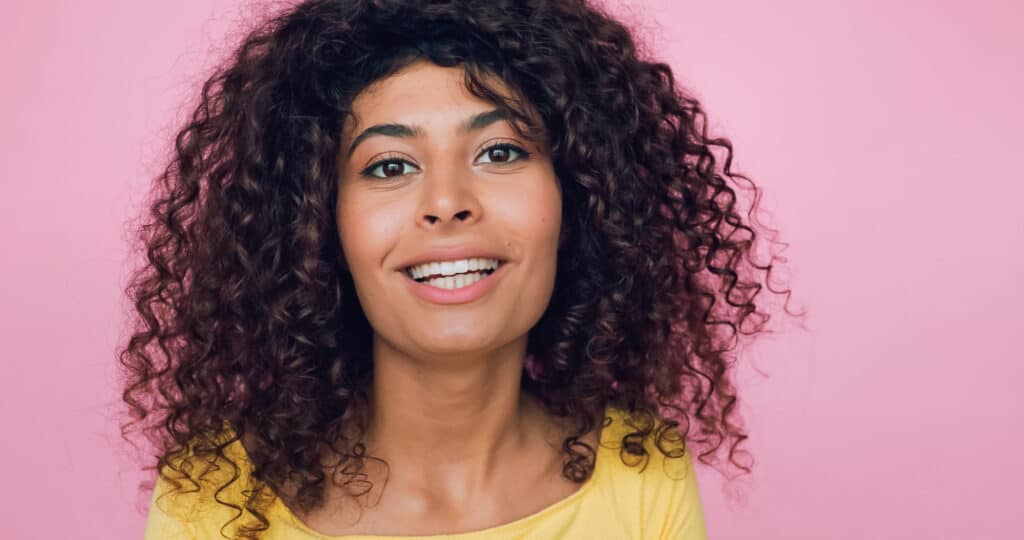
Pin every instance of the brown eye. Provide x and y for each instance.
(498, 154)
(391, 168)
(502, 152)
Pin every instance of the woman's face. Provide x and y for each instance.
(423, 184)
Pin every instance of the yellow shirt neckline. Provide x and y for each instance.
(512, 526)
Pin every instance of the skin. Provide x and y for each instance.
(467, 450)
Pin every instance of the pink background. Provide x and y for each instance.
(885, 135)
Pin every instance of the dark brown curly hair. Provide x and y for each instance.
(243, 319)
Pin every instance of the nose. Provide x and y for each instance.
(449, 198)
(460, 216)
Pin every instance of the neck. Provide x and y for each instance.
(449, 420)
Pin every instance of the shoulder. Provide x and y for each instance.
(660, 490)
(195, 493)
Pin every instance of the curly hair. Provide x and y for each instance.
(243, 319)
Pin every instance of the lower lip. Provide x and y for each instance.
(461, 295)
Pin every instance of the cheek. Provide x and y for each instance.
(367, 231)
(537, 213)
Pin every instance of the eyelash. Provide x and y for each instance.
(523, 154)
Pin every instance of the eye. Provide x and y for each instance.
(392, 167)
(499, 153)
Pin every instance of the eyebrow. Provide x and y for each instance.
(473, 123)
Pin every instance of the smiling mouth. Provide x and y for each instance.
(455, 280)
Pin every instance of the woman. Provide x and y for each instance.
(461, 269)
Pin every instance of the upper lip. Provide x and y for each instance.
(451, 254)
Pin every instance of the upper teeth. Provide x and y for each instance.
(449, 268)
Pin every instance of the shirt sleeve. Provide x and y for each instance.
(679, 502)
(163, 522)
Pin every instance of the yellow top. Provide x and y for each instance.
(616, 502)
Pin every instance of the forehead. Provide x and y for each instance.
(420, 93)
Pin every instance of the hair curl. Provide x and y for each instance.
(244, 319)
